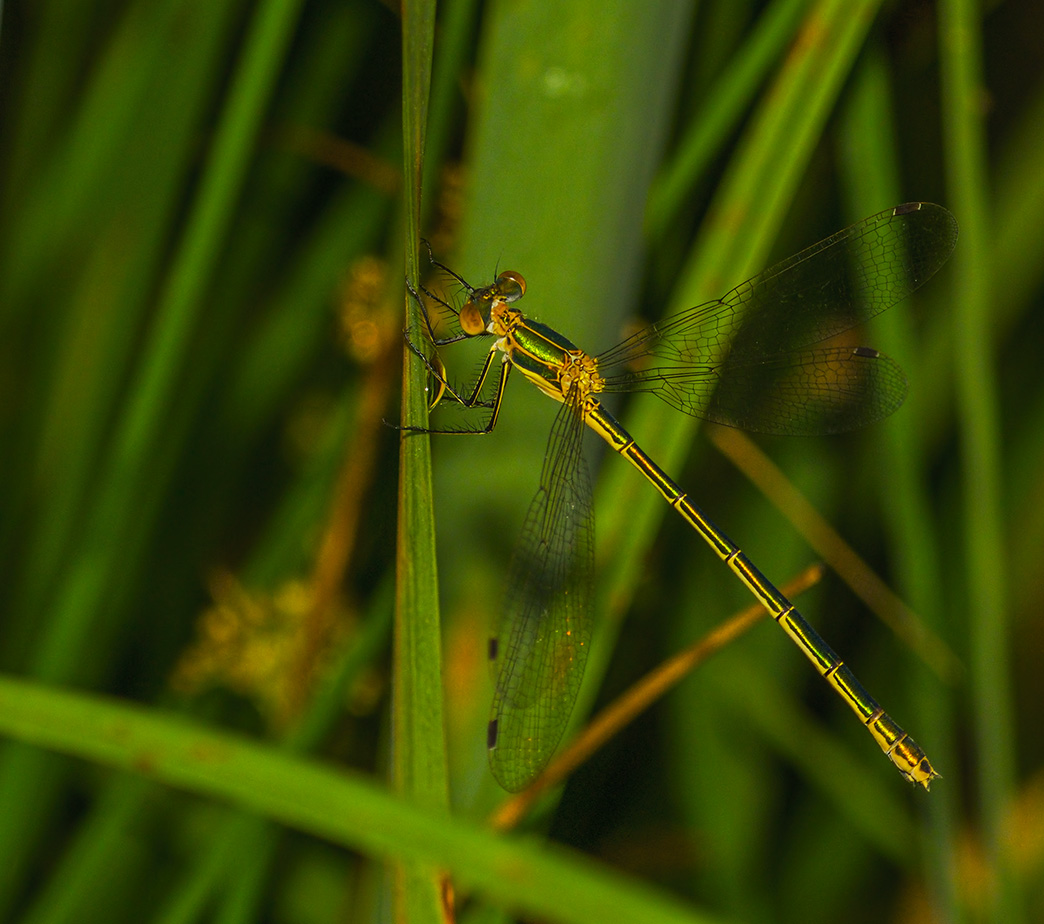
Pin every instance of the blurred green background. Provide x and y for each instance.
(200, 340)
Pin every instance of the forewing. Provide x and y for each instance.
(539, 646)
(746, 361)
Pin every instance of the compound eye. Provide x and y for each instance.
(511, 286)
(471, 319)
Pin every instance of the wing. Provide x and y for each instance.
(539, 646)
(746, 360)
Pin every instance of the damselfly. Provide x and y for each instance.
(756, 359)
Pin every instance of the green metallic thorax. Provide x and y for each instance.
(550, 361)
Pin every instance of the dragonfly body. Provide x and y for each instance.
(900, 748)
(539, 645)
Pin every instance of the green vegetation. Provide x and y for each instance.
(220, 691)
